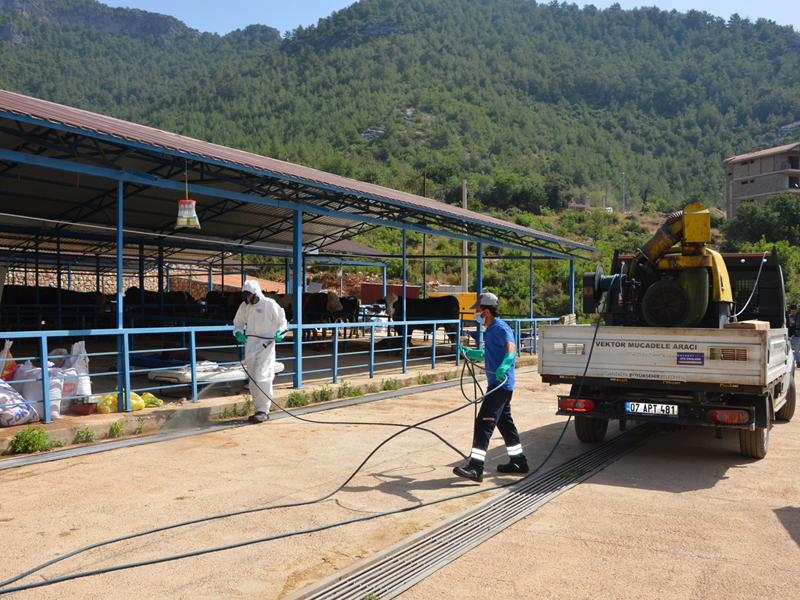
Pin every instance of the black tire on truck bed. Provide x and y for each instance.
(590, 430)
(787, 410)
(754, 444)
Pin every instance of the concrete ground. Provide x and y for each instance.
(684, 516)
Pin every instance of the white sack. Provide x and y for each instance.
(21, 373)
(32, 391)
(80, 362)
(18, 414)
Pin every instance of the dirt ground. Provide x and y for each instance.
(684, 516)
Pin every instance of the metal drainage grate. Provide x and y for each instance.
(390, 572)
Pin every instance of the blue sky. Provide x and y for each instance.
(206, 15)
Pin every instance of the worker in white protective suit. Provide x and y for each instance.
(259, 318)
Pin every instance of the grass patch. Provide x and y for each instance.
(140, 427)
(347, 390)
(424, 379)
(390, 385)
(448, 376)
(33, 439)
(115, 430)
(374, 389)
(85, 435)
(247, 408)
(297, 398)
(323, 394)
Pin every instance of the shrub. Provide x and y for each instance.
(374, 389)
(85, 435)
(297, 398)
(390, 385)
(33, 439)
(323, 394)
(140, 427)
(424, 379)
(347, 390)
(115, 430)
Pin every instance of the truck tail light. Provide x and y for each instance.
(728, 416)
(575, 404)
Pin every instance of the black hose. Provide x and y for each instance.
(294, 504)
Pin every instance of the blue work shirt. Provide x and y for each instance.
(495, 338)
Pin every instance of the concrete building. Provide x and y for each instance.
(756, 176)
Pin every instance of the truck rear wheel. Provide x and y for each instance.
(787, 410)
(590, 430)
(754, 444)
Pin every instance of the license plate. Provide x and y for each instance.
(642, 408)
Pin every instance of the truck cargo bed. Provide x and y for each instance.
(707, 356)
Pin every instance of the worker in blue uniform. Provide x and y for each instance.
(500, 354)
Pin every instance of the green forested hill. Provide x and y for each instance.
(488, 89)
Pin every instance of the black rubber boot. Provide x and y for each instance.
(469, 472)
(520, 466)
(259, 417)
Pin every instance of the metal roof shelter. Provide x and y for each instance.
(76, 181)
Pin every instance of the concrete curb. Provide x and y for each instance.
(189, 415)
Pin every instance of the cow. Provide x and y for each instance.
(47, 299)
(348, 314)
(173, 301)
(317, 308)
(426, 309)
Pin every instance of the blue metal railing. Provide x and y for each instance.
(136, 341)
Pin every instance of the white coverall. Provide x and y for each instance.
(264, 318)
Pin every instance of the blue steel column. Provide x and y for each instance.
(571, 286)
(287, 288)
(298, 282)
(405, 312)
(479, 286)
(425, 271)
(531, 282)
(384, 280)
(123, 377)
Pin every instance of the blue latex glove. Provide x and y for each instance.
(279, 337)
(471, 354)
(240, 337)
(506, 365)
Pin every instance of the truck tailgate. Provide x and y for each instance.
(716, 356)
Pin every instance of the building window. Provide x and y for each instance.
(794, 183)
(794, 162)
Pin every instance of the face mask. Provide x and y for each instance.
(479, 318)
(251, 299)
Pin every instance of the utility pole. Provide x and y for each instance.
(464, 265)
(623, 191)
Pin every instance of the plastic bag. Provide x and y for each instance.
(7, 366)
(22, 372)
(109, 403)
(80, 362)
(18, 413)
(136, 402)
(151, 401)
